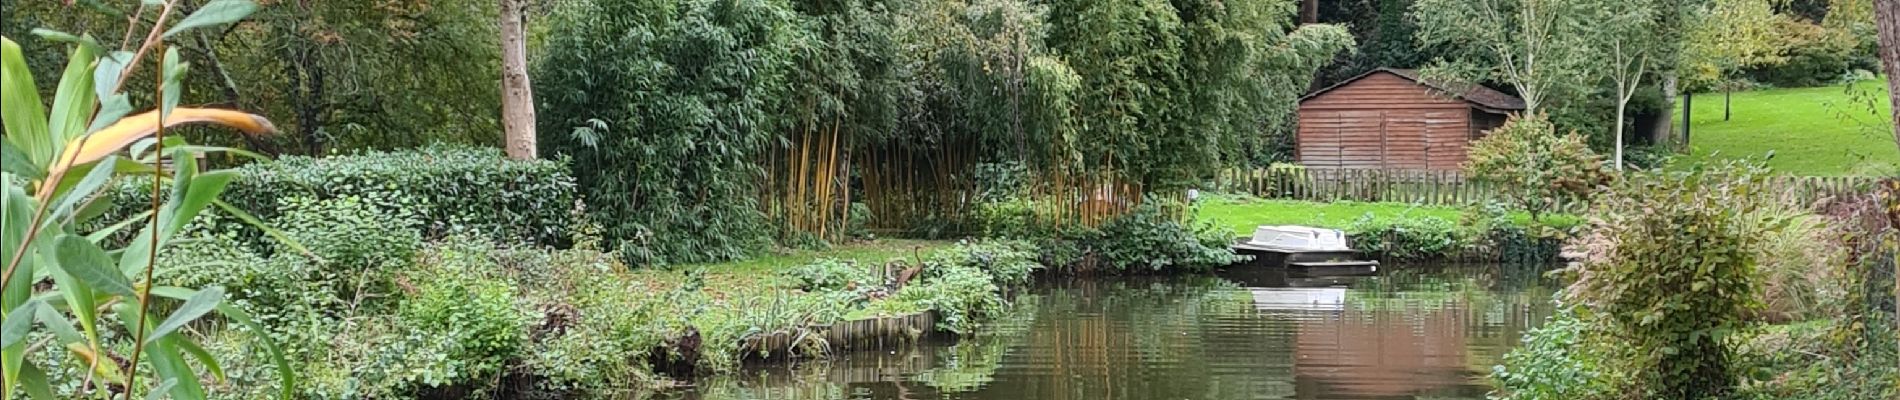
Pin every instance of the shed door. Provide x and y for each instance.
(1406, 141)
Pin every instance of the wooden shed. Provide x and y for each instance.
(1392, 119)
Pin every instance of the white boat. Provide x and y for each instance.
(1296, 238)
(1314, 250)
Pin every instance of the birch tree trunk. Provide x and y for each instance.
(1887, 17)
(517, 96)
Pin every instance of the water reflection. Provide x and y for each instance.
(1412, 333)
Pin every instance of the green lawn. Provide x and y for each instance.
(1243, 215)
(1822, 131)
(761, 273)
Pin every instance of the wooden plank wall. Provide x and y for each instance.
(1383, 121)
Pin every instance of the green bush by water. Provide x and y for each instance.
(442, 189)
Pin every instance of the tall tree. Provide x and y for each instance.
(1887, 19)
(1729, 36)
(1536, 46)
(1626, 29)
(517, 97)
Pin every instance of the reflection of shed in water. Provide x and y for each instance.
(1369, 352)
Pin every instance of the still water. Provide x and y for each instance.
(1415, 332)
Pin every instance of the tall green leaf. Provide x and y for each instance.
(286, 376)
(90, 265)
(24, 115)
(199, 304)
(18, 323)
(73, 103)
(216, 12)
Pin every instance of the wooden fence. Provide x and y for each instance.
(1453, 188)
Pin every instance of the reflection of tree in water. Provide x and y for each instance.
(972, 362)
(1410, 333)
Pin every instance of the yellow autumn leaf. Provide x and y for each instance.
(98, 145)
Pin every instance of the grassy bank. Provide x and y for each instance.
(764, 273)
(1824, 131)
(1242, 215)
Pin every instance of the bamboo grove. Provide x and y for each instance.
(706, 129)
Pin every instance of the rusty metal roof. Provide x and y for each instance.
(1474, 93)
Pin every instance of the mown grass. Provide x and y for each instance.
(1242, 215)
(1821, 131)
(761, 274)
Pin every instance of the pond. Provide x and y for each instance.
(1415, 332)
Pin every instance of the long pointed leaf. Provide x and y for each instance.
(34, 382)
(18, 323)
(287, 377)
(216, 12)
(73, 103)
(24, 115)
(204, 358)
(111, 110)
(125, 131)
(89, 264)
(174, 71)
(273, 232)
(15, 161)
(162, 389)
(61, 327)
(197, 306)
(106, 76)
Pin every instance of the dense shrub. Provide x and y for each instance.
(1409, 238)
(1554, 361)
(455, 296)
(963, 296)
(1008, 263)
(349, 232)
(441, 188)
(830, 274)
(1162, 235)
(1674, 275)
(1538, 169)
(1815, 56)
(685, 93)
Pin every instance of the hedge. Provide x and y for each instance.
(449, 188)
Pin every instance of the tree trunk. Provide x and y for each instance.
(1309, 11)
(1728, 95)
(1621, 105)
(517, 97)
(1887, 17)
(1665, 124)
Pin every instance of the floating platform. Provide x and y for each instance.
(1314, 251)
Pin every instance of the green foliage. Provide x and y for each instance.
(830, 274)
(963, 296)
(1419, 238)
(1539, 169)
(1678, 276)
(1009, 263)
(350, 232)
(458, 299)
(687, 93)
(1162, 235)
(100, 301)
(1554, 361)
(1807, 361)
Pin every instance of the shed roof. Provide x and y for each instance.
(1473, 93)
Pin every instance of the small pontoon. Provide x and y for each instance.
(1309, 249)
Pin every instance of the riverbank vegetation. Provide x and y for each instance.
(1695, 285)
(723, 180)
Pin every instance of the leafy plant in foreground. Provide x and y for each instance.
(55, 162)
